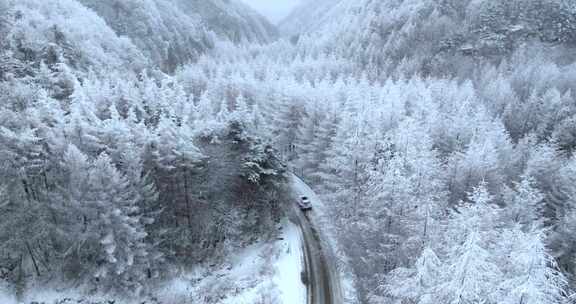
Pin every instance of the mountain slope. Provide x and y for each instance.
(160, 29)
(175, 32)
(231, 19)
(65, 32)
(174, 180)
(168, 33)
(306, 17)
(431, 36)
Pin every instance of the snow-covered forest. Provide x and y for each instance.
(141, 138)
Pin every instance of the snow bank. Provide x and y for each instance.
(5, 297)
(289, 266)
(267, 272)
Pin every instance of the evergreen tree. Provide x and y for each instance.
(111, 243)
(413, 284)
(534, 277)
(524, 203)
(471, 273)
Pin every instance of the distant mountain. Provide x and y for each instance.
(123, 34)
(173, 32)
(425, 35)
(160, 29)
(306, 17)
(231, 19)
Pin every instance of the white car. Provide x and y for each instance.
(304, 203)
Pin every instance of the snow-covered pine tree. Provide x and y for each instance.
(414, 283)
(535, 276)
(470, 273)
(523, 203)
(114, 250)
(82, 122)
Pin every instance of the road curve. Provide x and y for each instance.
(321, 277)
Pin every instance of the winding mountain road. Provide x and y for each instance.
(321, 276)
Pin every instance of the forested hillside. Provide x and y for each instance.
(440, 133)
(175, 32)
(437, 37)
(306, 17)
(114, 179)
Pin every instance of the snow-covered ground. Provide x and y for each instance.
(5, 297)
(267, 272)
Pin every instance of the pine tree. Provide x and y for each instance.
(224, 113)
(308, 137)
(114, 247)
(27, 224)
(82, 122)
(285, 122)
(563, 239)
(176, 145)
(242, 115)
(480, 162)
(534, 277)
(523, 203)
(174, 158)
(413, 284)
(470, 272)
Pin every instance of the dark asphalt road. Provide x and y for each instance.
(321, 275)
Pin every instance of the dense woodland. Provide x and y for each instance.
(113, 177)
(439, 133)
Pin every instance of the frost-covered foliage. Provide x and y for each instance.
(119, 185)
(446, 37)
(231, 19)
(133, 35)
(113, 178)
(176, 32)
(441, 134)
(63, 32)
(306, 17)
(159, 28)
(403, 153)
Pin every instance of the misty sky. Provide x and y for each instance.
(275, 10)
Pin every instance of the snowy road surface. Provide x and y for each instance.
(289, 266)
(321, 276)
